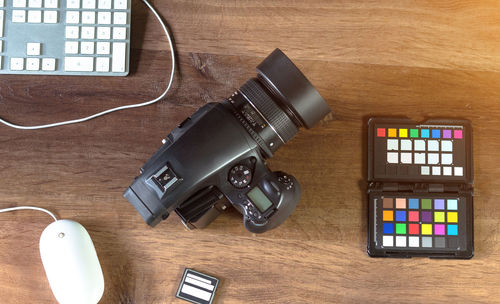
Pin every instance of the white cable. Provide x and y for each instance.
(147, 103)
(29, 208)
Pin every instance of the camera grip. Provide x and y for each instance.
(284, 192)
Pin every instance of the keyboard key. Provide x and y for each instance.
(87, 48)
(72, 32)
(104, 4)
(50, 17)
(72, 17)
(19, 3)
(2, 21)
(79, 64)
(73, 3)
(88, 4)
(34, 16)
(119, 18)
(33, 64)
(35, 3)
(88, 32)
(2, 4)
(18, 16)
(102, 64)
(33, 48)
(71, 47)
(119, 57)
(88, 17)
(1, 46)
(1, 62)
(17, 64)
(120, 33)
(104, 18)
(103, 48)
(49, 64)
(120, 4)
(103, 33)
(51, 3)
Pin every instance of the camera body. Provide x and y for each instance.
(216, 157)
(206, 158)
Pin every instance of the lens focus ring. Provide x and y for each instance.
(274, 115)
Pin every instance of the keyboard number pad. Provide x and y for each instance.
(97, 33)
(35, 11)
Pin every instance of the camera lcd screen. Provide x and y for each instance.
(259, 199)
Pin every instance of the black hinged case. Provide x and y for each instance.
(406, 187)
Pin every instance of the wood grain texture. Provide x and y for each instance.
(419, 59)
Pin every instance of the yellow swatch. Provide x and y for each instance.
(452, 217)
(439, 217)
(403, 132)
(427, 229)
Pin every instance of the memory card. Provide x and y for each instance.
(197, 287)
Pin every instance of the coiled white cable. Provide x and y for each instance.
(29, 208)
(147, 103)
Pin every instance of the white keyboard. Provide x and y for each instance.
(65, 37)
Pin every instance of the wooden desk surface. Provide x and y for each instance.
(367, 58)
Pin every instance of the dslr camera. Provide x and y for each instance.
(216, 157)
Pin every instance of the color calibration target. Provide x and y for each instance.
(419, 222)
(424, 151)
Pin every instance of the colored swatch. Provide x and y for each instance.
(419, 222)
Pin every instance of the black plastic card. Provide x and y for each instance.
(420, 195)
(197, 287)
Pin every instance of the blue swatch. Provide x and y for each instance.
(424, 133)
(436, 133)
(401, 216)
(452, 229)
(413, 203)
(388, 228)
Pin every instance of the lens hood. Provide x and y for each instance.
(297, 94)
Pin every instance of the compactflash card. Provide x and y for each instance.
(197, 287)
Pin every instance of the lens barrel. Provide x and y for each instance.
(260, 98)
(284, 96)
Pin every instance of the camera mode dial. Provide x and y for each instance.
(240, 176)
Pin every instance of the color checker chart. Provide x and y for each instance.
(415, 222)
(420, 224)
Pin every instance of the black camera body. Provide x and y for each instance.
(216, 157)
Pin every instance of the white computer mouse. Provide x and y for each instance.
(71, 263)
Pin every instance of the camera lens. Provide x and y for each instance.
(284, 97)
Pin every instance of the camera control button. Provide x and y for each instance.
(240, 176)
(285, 180)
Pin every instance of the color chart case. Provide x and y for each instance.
(420, 193)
